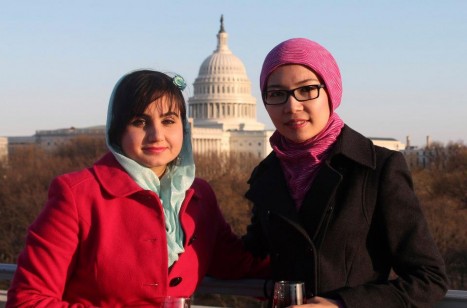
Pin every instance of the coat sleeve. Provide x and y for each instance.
(421, 280)
(230, 259)
(46, 262)
(254, 239)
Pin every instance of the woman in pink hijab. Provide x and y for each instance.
(329, 207)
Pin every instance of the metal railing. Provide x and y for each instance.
(6, 271)
(255, 288)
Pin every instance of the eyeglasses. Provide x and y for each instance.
(301, 94)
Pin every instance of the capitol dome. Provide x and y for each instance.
(222, 62)
(222, 91)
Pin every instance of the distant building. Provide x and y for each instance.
(51, 139)
(222, 109)
(18, 143)
(389, 143)
(418, 157)
(3, 149)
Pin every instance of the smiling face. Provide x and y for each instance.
(154, 139)
(297, 121)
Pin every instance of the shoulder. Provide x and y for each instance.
(75, 178)
(266, 165)
(202, 188)
(200, 183)
(87, 176)
(361, 149)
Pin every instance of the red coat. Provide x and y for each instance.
(101, 241)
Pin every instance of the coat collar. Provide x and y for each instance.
(268, 187)
(349, 144)
(114, 179)
(356, 147)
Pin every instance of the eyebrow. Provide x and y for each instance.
(303, 82)
(170, 113)
(167, 114)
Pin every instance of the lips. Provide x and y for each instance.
(296, 123)
(154, 150)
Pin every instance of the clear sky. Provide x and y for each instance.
(404, 63)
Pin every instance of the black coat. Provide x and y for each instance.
(359, 220)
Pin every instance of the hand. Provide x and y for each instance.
(318, 302)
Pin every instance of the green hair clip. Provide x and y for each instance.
(179, 82)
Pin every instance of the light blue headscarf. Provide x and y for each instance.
(171, 188)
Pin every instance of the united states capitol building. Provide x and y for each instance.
(222, 113)
(222, 109)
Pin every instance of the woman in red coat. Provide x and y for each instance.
(137, 225)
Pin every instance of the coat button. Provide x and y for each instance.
(192, 240)
(175, 281)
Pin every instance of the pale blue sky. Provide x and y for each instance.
(403, 62)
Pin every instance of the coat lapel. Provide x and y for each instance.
(317, 205)
(113, 178)
(269, 190)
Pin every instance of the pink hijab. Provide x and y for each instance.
(301, 161)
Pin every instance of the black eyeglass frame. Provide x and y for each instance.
(291, 92)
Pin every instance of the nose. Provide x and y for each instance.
(292, 105)
(154, 132)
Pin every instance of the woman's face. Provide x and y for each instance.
(297, 121)
(154, 138)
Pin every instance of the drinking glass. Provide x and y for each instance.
(174, 302)
(288, 293)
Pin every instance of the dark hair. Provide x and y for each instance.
(134, 92)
